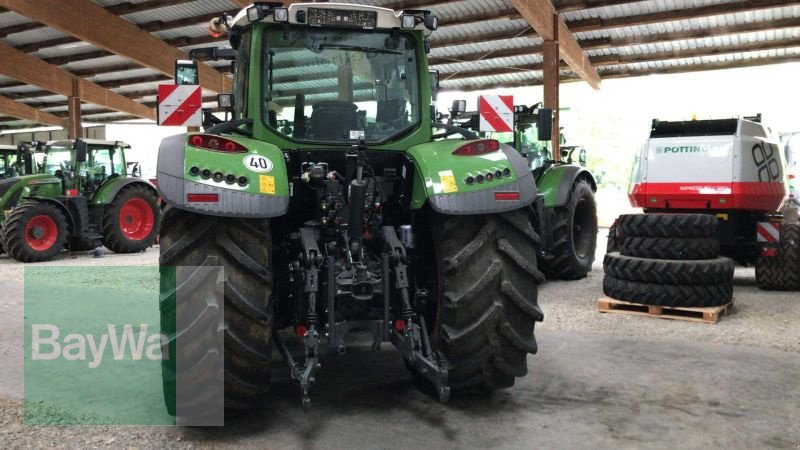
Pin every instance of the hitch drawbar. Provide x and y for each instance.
(411, 340)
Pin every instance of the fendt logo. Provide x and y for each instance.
(690, 149)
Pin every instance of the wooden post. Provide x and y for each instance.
(74, 127)
(551, 74)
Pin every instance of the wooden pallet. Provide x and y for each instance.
(706, 315)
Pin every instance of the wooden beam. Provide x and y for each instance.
(32, 70)
(22, 111)
(91, 23)
(542, 16)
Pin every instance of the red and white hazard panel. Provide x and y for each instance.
(180, 105)
(496, 113)
(768, 232)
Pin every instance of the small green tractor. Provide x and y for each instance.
(568, 216)
(75, 195)
(335, 203)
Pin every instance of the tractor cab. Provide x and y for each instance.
(8, 162)
(83, 166)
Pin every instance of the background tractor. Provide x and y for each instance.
(79, 196)
(567, 220)
(332, 208)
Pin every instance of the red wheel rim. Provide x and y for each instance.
(136, 219)
(41, 232)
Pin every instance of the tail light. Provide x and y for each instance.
(476, 148)
(791, 176)
(216, 143)
(202, 198)
(506, 196)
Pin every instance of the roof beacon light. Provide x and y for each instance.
(280, 15)
(408, 21)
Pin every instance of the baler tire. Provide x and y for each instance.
(712, 271)
(243, 247)
(15, 232)
(685, 249)
(487, 308)
(668, 225)
(782, 271)
(119, 240)
(574, 243)
(671, 295)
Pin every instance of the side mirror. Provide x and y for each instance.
(544, 124)
(80, 150)
(186, 72)
(459, 106)
(582, 157)
(433, 79)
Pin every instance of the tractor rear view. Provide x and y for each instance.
(714, 187)
(333, 210)
(567, 212)
(76, 195)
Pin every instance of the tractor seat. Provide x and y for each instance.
(332, 120)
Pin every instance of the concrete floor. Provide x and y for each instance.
(599, 381)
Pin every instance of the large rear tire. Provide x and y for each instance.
(487, 298)
(131, 222)
(782, 271)
(574, 236)
(244, 249)
(34, 232)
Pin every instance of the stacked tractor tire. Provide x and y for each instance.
(667, 260)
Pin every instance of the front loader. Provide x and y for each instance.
(332, 210)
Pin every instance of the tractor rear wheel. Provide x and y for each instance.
(244, 249)
(131, 221)
(34, 232)
(487, 298)
(574, 236)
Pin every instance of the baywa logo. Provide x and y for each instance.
(689, 149)
(46, 345)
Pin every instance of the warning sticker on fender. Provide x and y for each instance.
(448, 181)
(266, 184)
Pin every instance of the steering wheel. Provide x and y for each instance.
(451, 130)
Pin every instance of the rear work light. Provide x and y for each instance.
(216, 143)
(202, 198)
(476, 148)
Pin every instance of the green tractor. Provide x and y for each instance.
(568, 217)
(334, 204)
(77, 195)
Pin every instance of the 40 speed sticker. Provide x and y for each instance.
(257, 163)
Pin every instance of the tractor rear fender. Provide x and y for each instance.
(556, 184)
(109, 190)
(72, 224)
(186, 178)
(442, 179)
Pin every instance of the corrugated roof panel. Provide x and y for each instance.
(123, 75)
(105, 61)
(180, 11)
(73, 48)
(10, 18)
(190, 31)
(30, 36)
(635, 9)
(510, 61)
